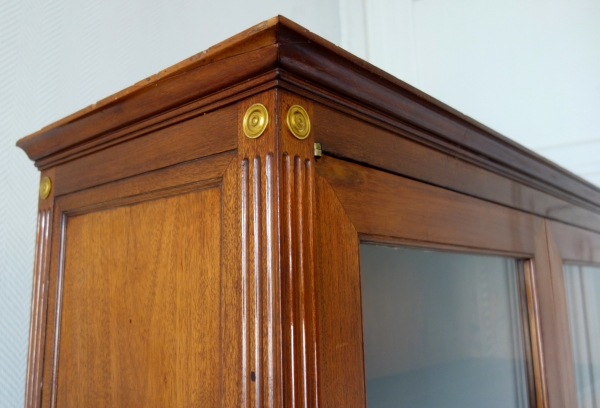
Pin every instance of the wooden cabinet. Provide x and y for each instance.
(196, 247)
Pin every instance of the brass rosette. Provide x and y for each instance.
(45, 187)
(298, 122)
(256, 120)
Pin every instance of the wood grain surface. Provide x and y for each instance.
(340, 77)
(235, 377)
(39, 296)
(165, 94)
(576, 245)
(381, 204)
(341, 364)
(180, 263)
(260, 301)
(297, 209)
(553, 324)
(203, 136)
(140, 317)
(408, 152)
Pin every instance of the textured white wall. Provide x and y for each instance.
(529, 69)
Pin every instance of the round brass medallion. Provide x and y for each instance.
(256, 120)
(298, 122)
(45, 187)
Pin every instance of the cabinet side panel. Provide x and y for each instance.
(340, 343)
(140, 316)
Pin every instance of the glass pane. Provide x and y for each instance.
(442, 330)
(582, 284)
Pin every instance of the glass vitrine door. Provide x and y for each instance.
(443, 329)
(582, 287)
(476, 320)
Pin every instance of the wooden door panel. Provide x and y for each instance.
(369, 205)
(140, 317)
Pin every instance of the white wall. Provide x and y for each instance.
(529, 69)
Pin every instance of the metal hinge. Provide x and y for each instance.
(318, 150)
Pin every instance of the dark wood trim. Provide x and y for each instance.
(39, 297)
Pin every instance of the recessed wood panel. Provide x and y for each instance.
(141, 305)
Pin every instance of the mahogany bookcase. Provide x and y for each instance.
(199, 232)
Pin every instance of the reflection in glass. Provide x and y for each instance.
(582, 284)
(442, 330)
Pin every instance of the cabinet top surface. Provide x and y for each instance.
(280, 51)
